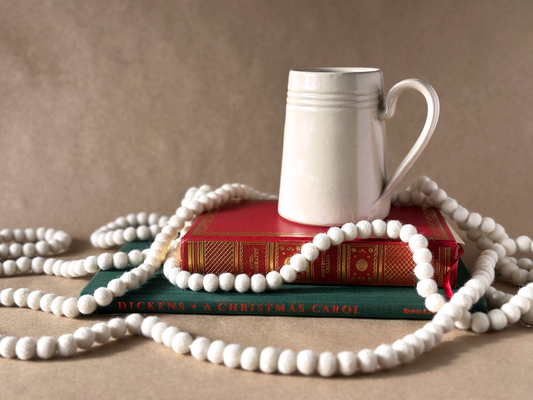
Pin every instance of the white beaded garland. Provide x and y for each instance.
(41, 242)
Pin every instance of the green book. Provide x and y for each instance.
(158, 295)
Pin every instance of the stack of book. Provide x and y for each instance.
(359, 279)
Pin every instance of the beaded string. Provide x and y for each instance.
(490, 237)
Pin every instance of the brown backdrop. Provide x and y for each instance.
(111, 107)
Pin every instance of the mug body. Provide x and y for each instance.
(334, 162)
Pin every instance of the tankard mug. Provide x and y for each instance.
(334, 166)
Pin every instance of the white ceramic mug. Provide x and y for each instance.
(334, 166)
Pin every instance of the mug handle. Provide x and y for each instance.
(429, 127)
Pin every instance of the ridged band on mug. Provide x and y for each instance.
(333, 99)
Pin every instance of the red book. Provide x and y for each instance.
(251, 237)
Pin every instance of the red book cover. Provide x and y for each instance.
(251, 237)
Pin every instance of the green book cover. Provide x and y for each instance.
(158, 295)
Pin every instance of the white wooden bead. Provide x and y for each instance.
(335, 235)
(147, 324)
(46, 302)
(21, 297)
(364, 229)
(242, 283)
(70, 308)
(428, 187)
(182, 280)
(8, 346)
(226, 281)
(34, 299)
(520, 277)
(422, 256)
(524, 244)
(215, 353)
(185, 213)
(427, 338)
(462, 300)
(57, 305)
(102, 333)
(347, 363)
(527, 318)
(7, 297)
(15, 249)
(10, 268)
(322, 242)
(306, 362)
(91, 264)
(507, 270)
(87, 304)
(287, 362)
(465, 322)
(210, 283)
(299, 263)
(480, 322)
(474, 234)
(438, 196)
(135, 258)
(66, 345)
(406, 232)
(130, 280)
(367, 361)
(120, 260)
(117, 327)
(350, 231)
(487, 225)
(105, 261)
(527, 292)
(386, 356)
(250, 359)
(404, 197)
(46, 347)
(417, 241)
(498, 233)
(444, 321)
(26, 348)
(133, 323)
(512, 313)
(436, 330)
(157, 331)
(268, 360)
(520, 301)
(434, 302)
(130, 234)
(509, 245)
(424, 270)
(117, 287)
(327, 364)
(426, 287)
(310, 251)
(460, 214)
(258, 283)
(28, 250)
(232, 355)
(274, 280)
(404, 351)
(449, 206)
(288, 274)
(474, 220)
(84, 337)
(379, 228)
(418, 198)
(525, 263)
(497, 319)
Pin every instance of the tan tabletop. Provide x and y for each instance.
(115, 107)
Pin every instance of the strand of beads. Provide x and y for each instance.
(497, 249)
(448, 314)
(132, 227)
(18, 247)
(258, 283)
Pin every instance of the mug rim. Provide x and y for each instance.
(338, 70)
